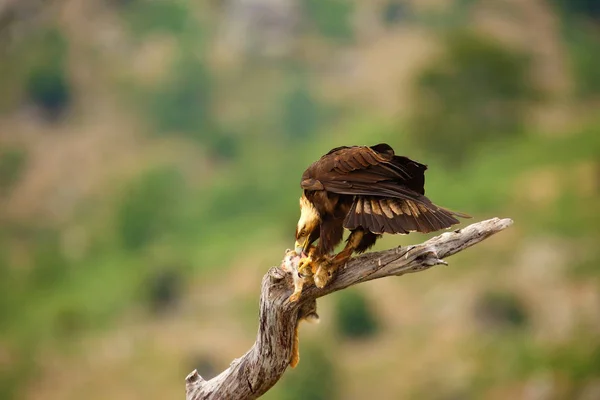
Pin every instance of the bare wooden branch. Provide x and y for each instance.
(263, 365)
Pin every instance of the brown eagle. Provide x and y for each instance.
(369, 191)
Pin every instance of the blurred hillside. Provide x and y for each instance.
(150, 156)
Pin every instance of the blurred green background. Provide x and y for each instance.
(150, 157)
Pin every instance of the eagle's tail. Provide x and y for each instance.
(393, 215)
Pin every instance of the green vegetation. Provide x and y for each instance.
(314, 378)
(475, 95)
(588, 8)
(12, 163)
(455, 16)
(47, 83)
(157, 16)
(149, 207)
(163, 289)
(354, 318)
(300, 117)
(183, 103)
(49, 263)
(500, 310)
(583, 43)
(575, 364)
(395, 12)
(13, 377)
(331, 17)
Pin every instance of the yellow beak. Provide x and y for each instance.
(301, 247)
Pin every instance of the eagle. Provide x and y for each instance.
(368, 190)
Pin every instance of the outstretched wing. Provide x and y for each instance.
(389, 215)
(389, 190)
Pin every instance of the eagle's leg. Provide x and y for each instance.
(307, 265)
(329, 266)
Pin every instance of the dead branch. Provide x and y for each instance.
(263, 365)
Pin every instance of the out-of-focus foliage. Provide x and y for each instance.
(149, 207)
(474, 95)
(5, 300)
(332, 18)
(156, 16)
(395, 12)
(314, 377)
(49, 262)
(498, 310)
(12, 163)
(588, 8)
(300, 116)
(47, 83)
(354, 316)
(585, 48)
(527, 359)
(182, 104)
(163, 289)
(583, 42)
(13, 376)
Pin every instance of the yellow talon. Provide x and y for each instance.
(305, 267)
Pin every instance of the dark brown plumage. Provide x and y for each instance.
(370, 191)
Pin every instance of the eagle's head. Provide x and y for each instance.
(308, 227)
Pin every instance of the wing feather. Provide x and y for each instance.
(361, 160)
(386, 208)
(339, 170)
(388, 190)
(402, 216)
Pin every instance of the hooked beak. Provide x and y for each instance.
(301, 248)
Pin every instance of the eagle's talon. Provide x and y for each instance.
(305, 267)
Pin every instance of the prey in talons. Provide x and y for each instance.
(291, 264)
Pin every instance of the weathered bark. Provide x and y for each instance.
(263, 365)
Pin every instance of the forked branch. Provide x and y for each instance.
(263, 365)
